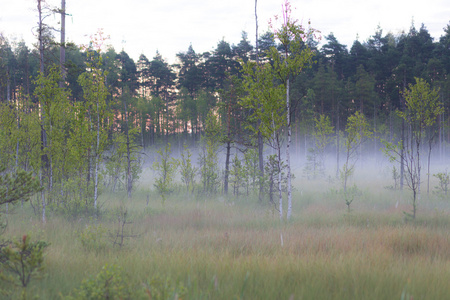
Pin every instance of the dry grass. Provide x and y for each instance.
(228, 249)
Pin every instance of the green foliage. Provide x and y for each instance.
(22, 260)
(271, 172)
(159, 288)
(165, 169)
(349, 196)
(357, 129)
(263, 99)
(444, 181)
(19, 186)
(92, 238)
(116, 163)
(422, 110)
(251, 168)
(422, 106)
(315, 165)
(72, 200)
(56, 120)
(237, 173)
(188, 170)
(109, 283)
(396, 177)
(209, 170)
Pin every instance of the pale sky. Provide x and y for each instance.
(170, 26)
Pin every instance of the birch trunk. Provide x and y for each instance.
(288, 158)
(96, 159)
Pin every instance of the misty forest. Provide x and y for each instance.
(279, 169)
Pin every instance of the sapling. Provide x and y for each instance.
(422, 109)
(209, 171)
(187, 169)
(120, 234)
(357, 129)
(252, 174)
(444, 181)
(165, 169)
(322, 137)
(22, 260)
(109, 283)
(395, 176)
(236, 175)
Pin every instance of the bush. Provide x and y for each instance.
(164, 289)
(108, 284)
(92, 238)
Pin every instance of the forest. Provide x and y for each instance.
(280, 170)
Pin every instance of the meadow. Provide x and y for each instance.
(194, 247)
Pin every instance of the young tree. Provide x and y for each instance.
(295, 56)
(422, 110)
(230, 112)
(95, 92)
(166, 169)
(289, 62)
(209, 170)
(188, 170)
(55, 115)
(17, 186)
(357, 129)
(268, 114)
(322, 137)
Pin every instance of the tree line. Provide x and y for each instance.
(66, 119)
(174, 99)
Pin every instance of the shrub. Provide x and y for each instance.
(92, 238)
(109, 283)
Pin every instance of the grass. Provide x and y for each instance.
(237, 249)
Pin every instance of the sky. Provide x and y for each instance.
(170, 26)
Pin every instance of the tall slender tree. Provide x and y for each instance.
(295, 56)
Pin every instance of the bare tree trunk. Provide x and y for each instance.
(44, 162)
(42, 197)
(96, 159)
(279, 179)
(428, 168)
(129, 175)
(227, 168)
(260, 138)
(402, 157)
(62, 47)
(337, 141)
(402, 151)
(288, 157)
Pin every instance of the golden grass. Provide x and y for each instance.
(228, 249)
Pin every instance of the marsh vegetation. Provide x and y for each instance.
(197, 247)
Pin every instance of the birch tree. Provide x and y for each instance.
(422, 110)
(95, 92)
(294, 56)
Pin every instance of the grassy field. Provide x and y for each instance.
(226, 248)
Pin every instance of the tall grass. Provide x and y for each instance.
(229, 249)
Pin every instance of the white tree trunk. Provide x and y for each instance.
(288, 158)
(96, 159)
(279, 181)
(42, 198)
